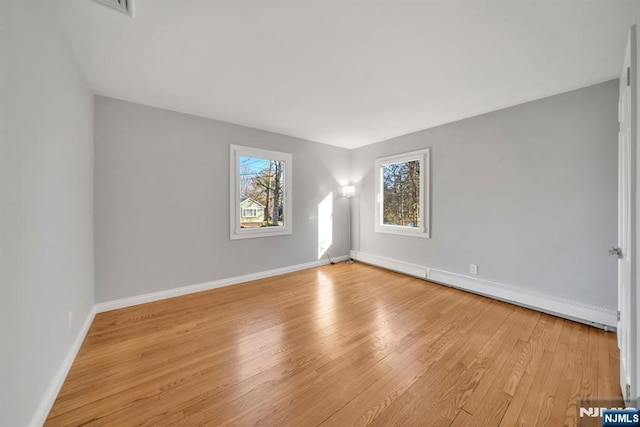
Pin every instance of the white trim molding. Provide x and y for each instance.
(185, 290)
(50, 395)
(569, 309)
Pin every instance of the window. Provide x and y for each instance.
(402, 194)
(249, 212)
(260, 192)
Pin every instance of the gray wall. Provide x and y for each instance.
(162, 200)
(46, 222)
(528, 193)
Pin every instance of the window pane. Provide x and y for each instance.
(401, 194)
(261, 192)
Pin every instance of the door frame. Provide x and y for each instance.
(627, 306)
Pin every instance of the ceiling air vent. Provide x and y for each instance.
(125, 6)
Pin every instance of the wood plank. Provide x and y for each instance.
(335, 345)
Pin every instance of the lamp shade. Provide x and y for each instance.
(349, 191)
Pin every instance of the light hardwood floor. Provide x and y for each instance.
(337, 345)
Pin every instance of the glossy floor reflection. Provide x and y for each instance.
(336, 345)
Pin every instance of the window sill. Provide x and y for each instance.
(250, 233)
(403, 231)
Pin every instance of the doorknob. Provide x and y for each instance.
(615, 252)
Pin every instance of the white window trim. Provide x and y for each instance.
(423, 156)
(237, 151)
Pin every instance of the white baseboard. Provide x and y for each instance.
(175, 292)
(49, 398)
(392, 264)
(562, 307)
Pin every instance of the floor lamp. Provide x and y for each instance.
(349, 191)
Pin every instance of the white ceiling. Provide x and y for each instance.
(345, 72)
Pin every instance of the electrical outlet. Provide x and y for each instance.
(473, 269)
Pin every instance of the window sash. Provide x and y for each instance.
(236, 231)
(422, 230)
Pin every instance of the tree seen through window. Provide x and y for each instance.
(401, 194)
(262, 181)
